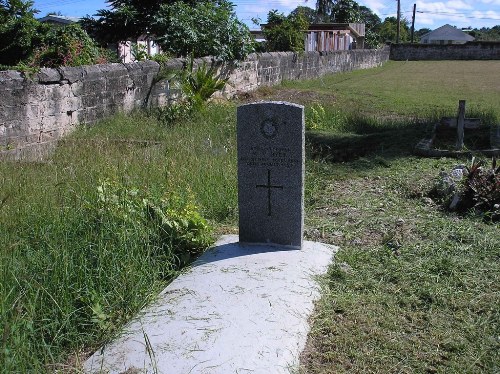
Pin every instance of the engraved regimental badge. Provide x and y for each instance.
(269, 129)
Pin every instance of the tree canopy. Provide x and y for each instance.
(285, 33)
(181, 27)
(19, 30)
(349, 11)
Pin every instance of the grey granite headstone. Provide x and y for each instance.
(271, 173)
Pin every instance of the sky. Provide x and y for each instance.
(430, 14)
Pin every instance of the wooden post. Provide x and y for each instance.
(413, 22)
(398, 33)
(460, 125)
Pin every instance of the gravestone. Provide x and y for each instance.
(271, 173)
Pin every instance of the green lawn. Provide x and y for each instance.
(414, 288)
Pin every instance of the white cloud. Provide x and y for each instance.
(376, 6)
(458, 5)
(487, 14)
(492, 2)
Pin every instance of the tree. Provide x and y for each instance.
(205, 29)
(19, 30)
(486, 34)
(285, 33)
(421, 32)
(181, 27)
(388, 30)
(126, 19)
(349, 11)
(309, 14)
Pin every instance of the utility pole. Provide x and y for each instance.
(413, 22)
(399, 22)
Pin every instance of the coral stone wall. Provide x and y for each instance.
(468, 51)
(39, 110)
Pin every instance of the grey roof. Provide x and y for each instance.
(59, 19)
(447, 32)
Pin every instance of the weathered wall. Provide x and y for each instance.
(468, 51)
(50, 104)
(43, 108)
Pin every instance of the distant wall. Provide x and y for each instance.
(468, 51)
(38, 110)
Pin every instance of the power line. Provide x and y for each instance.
(461, 15)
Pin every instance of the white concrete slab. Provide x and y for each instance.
(239, 309)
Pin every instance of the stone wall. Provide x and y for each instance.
(468, 51)
(41, 109)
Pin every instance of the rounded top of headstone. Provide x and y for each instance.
(263, 102)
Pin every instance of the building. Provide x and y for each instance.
(446, 34)
(335, 37)
(320, 37)
(58, 20)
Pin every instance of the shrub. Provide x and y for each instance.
(207, 28)
(285, 33)
(68, 46)
(471, 187)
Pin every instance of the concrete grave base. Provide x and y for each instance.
(239, 309)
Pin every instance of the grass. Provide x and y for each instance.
(79, 255)
(413, 289)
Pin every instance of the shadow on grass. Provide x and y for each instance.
(364, 137)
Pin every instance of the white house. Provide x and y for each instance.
(446, 34)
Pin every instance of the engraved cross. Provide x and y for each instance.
(268, 186)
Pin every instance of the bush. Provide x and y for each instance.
(473, 187)
(285, 33)
(68, 46)
(208, 28)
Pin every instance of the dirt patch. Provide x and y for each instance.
(303, 97)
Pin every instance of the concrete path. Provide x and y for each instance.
(239, 309)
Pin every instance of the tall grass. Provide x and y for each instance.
(79, 254)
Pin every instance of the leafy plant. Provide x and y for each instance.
(67, 46)
(201, 83)
(471, 187)
(180, 228)
(317, 118)
(205, 28)
(139, 52)
(482, 188)
(285, 33)
(20, 32)
(174, 111)
(172, 223)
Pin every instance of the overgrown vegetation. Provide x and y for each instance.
(26, 44)
(90, 237)
(181, 27)
(414, 287)
(285, 33)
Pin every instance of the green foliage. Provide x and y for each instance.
(171, 113)
(180, 227)
(388, 30)
(171, 224)
(308, 13)
(317, 119)
(349, 11)
(201, 83)
(125, 19)
(181, 27)
(285, 33)
(97, 262)
(139, 52)
(486, 34)
(205, 29)
(20, 32)
(481, 189)
(67, 46)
